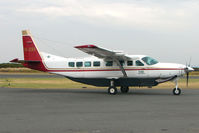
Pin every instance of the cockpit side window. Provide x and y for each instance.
(139, 63)
(149, 60)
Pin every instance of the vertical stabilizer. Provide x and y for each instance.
(31, 52)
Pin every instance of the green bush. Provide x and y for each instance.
(11, 65)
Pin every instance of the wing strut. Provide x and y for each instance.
(121, 68)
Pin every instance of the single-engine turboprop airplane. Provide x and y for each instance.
(104, 68)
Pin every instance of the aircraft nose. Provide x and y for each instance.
(190, 69)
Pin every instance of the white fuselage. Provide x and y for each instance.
(60, 65)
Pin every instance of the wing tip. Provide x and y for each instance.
(86, 46)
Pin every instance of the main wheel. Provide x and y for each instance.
(124, 89)
(112, 90)
(176, 91)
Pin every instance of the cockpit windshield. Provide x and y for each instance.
(149, 60)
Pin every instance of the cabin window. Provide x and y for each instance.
(79, 64)
(122, 62)
(87, 64)
(129, 63)
(96, 63)
(139, 63)
(109, 63)
(71, 64)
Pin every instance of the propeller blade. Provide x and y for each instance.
(186, 69)
(189, 62)
(187, 78)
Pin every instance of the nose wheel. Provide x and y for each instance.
(176, 91)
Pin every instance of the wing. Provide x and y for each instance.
(105, 54)
(102, 52)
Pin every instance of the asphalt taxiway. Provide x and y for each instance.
(94, 111)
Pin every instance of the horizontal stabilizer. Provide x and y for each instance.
(16, 60)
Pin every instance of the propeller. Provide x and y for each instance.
(187, 69)
(187, 73)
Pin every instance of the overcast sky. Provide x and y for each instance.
(166, 30)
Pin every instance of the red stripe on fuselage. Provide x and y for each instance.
(94, 70)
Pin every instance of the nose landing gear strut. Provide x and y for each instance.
(176, 90)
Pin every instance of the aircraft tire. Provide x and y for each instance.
(176, 91)
(112, 90)
(124, 89)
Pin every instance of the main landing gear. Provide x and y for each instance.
(176, 91)
(113, 90)
(124, 89)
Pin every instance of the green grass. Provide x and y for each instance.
(18, 70)
(43, 83)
